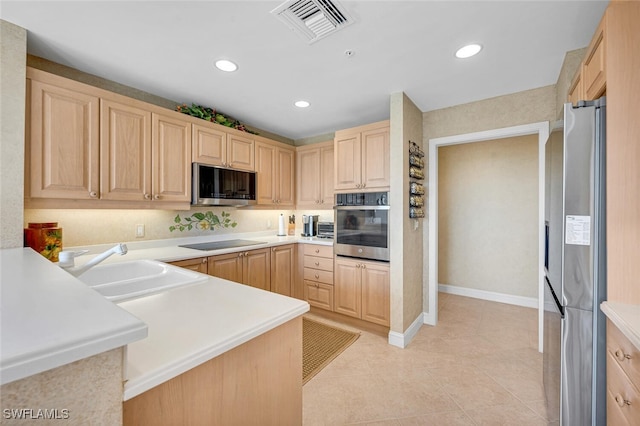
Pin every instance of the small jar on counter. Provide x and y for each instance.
(45, 238)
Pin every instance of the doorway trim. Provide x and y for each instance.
(542, 130)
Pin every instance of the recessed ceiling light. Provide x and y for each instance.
(301, 104)
(226, 65)
(468, 51)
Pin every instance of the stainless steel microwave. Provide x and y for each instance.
(218, 186)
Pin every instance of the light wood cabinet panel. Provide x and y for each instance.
(199, 264)
(276, 173)
(593, 69)
(375, 158)
(321, 263)
(362, 158)
(226, 266)
(576, 90)
(375, 293)
(318, 275)
(362, 290)
(318, 250)
(125, 152)
(623, 378)
(315, 176)
(256, 383)
(347, 154)
(256, 269)
(240, 153)
(319, 295)
(347, 288)
(209, 146)
(219, 148)
(171, 158)
(283, 269)
(64, 142)
(623, 151)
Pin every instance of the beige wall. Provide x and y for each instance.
(90, 390)
(406, 241)
(488, 215)
(13, 50)
(526, 107)
(87, 227)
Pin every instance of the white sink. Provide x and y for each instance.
(128, 280)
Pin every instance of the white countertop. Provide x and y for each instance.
(48, 318)
(193, 324)
(626, 318)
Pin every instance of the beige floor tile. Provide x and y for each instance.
(479, 365)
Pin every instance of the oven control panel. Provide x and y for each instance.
(363, 199)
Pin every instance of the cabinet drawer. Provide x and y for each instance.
(625, 354)
(319, 295)
(315, 262)
(317, 250)
(318, 275)
(622, 395)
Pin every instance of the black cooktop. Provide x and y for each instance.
(218, 245)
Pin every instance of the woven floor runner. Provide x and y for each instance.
(321, 343)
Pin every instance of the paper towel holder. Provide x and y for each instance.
(281, 232)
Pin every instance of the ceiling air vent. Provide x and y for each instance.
(313, 19)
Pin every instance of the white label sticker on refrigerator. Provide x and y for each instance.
(578, 230)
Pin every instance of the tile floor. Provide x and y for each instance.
(479, 366)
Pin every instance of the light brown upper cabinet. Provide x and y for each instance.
(144, 156)
(63, 150)
(86, 144)
(590, 80)
(361, 158)
(314, 165)
(218, 147)
(275, 165)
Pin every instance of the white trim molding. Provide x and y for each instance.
(401, 340)
(510, 299)
(542, 130)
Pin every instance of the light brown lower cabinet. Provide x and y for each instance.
(251, 267)
(198, 264)
(283, 269)
(362, 290)
(623, 379)
(256, 383)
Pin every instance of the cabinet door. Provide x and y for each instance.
(576, 92)
(308, 177)
(285, 176)
(198, 265)
(265, 167)
(256, 269)
(326, 177)
(347, 296)
(593, 70)
(282, 269)
(347, 162)
(209, 146)
(125, 152)
(375, 159)
(227, 266)
(319, 295)
(241, 153)
(64, 143)
(375, 293)
(171, 159)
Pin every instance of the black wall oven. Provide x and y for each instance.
(361, 225)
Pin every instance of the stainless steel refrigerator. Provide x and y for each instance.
(574, 355)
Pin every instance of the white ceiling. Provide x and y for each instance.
(168, 48)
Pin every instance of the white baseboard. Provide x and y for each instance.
(528, 302)
(401, 340)
(429, 318)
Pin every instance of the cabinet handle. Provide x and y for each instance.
(363, 185)
(317, 263)
(240, 254)
(224, 163)
(364, 266)
(156, 197)
(621, 401)
(230, 164)
(321, 201)
(204, 260)
(93, 194)
(317, 250)
(246, 253)
(621, 356)
(317, 276)
(357, 265)
(147, 196)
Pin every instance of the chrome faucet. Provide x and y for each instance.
(67, 259)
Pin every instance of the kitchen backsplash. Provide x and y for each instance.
(88, 227)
